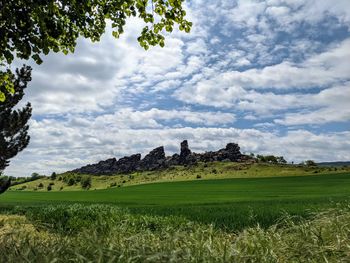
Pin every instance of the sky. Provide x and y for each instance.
(272, 76)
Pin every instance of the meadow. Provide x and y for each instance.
(230, 213)
(227, 203)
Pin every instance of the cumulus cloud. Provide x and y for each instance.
(266, 67)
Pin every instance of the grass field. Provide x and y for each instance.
(232, 213)
(229, 203)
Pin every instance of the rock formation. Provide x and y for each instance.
(186, 157)
(156, 160)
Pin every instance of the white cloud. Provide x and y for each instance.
(249, 59)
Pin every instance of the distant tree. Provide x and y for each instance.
(53, 176)
(13, 121)
(34, 176)
(281, 160)
(310, 163)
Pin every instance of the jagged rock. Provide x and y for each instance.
(102, 167)
(154, 160)
(128, 164)
(173, 160)
(230, 153)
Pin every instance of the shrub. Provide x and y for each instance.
(85, 181)
(199, 176)
(113, 184)
(49, 187)
(40, 185)
(71, 181)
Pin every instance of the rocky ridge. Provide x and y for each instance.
(156, 160)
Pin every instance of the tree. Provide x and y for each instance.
(281, 160)
(13, 122)
(30, 28)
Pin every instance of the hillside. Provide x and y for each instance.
(199, 171)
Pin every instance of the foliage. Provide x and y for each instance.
(100, 233)
(13, 122)
(32, 28)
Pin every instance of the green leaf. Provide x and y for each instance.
(37, 59)
(2, 97)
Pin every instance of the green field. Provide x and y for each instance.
(228, 203)
(257, 213)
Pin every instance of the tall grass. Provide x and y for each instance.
(102, 233)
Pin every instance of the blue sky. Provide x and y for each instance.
(273, 76)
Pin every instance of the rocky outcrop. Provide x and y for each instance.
(230, 153)
(102, 167)
(156, 160)
(128, 164)
(186, 157)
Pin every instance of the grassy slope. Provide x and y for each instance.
(219, 170)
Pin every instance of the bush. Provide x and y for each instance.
(49, 187)
(199, 176)
(113, 184)
(85, 181)
(71, 181)
(53, 176)
(40, 185)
